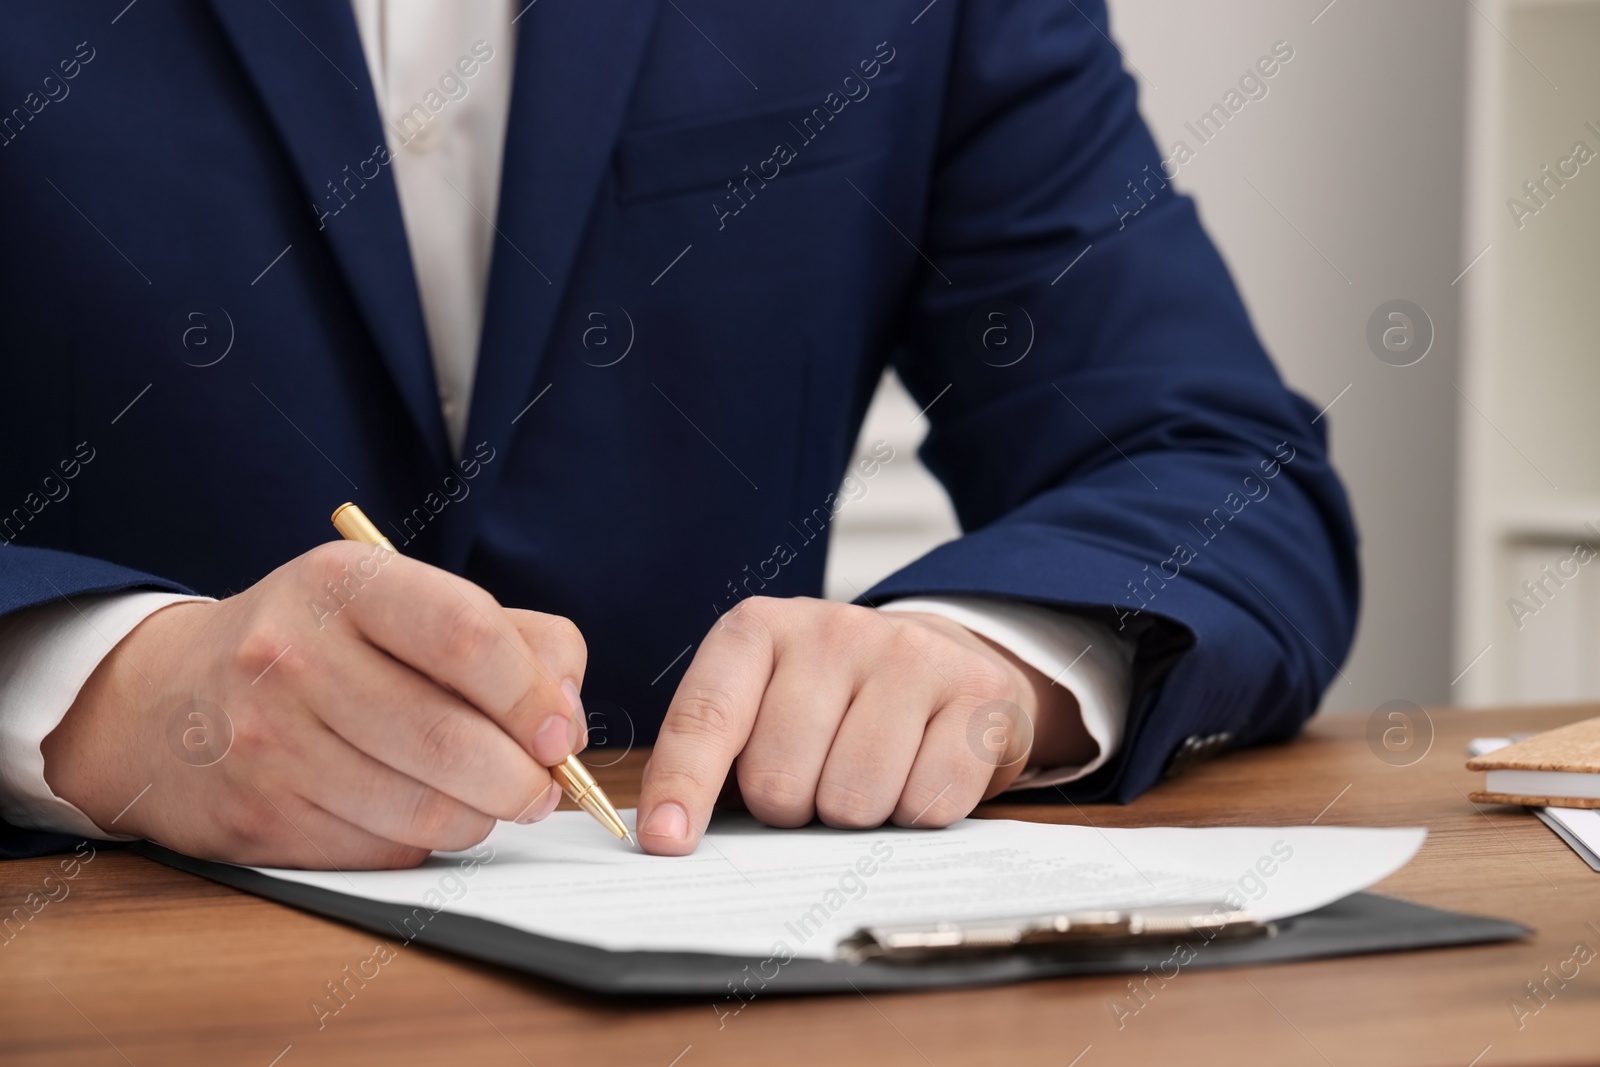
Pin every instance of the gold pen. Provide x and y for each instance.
(573, 777)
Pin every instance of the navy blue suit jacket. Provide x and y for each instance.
(212, 335)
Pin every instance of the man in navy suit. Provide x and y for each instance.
(584, 302)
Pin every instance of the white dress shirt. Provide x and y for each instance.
(442, 72)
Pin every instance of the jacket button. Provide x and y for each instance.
(1185, 755)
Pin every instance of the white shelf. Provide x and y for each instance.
(1547, 517)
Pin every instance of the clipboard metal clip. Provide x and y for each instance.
(1077, 933)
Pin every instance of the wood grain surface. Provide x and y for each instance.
(132, 962)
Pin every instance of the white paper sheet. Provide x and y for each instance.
(1582, 830)
(754, 891)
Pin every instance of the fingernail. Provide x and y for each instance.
(668, 820)
(552, 797)
(550, 803)
(552, 743)
(576, 727)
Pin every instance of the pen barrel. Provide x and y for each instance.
(602, 815)
(574, 779)
(579, 785)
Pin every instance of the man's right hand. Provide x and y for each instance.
(373, 708)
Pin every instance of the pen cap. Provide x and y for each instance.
(353, 525)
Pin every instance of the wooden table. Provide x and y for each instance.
(141, 964)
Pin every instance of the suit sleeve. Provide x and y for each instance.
(30, 577)
(1114, 438)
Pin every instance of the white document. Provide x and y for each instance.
(754, 891)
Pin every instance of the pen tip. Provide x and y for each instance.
(629, 839)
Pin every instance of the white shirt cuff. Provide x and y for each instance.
(1085, 657)
(46, 655)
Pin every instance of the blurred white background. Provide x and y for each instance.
(1339, 191)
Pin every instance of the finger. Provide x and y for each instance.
(457, 634)
(285, 830)
(348, 783)
(556, 642)
(874, 750)
(706, 725)
(406, 722)
(794, 728)
(950, 773)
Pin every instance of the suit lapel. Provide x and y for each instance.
(306, 61)
(577, 62)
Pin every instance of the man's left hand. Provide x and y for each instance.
(850, 715)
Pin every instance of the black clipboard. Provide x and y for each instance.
(1359, 924)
